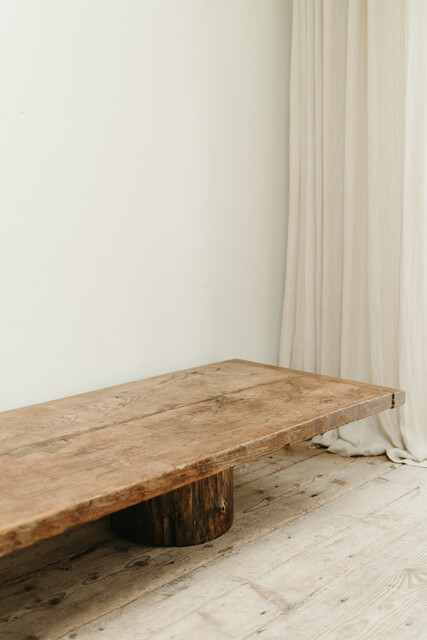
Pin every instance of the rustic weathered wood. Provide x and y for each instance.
(193, 514)
(74, 460)
(83, 540)
(301, 531)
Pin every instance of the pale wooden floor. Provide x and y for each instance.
(322, 547)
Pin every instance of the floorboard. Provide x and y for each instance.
(322, 547)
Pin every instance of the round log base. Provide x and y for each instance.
(193, 514)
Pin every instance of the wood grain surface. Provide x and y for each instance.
(321, 547)
(193, 514)
(76, 459)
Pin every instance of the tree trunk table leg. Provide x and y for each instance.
(193, 514)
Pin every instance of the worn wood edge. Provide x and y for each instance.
(51, 523)
(399, 398)
(400, 395)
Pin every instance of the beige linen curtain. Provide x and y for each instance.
(355, 302)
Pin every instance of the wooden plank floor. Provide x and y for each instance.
(322, 547)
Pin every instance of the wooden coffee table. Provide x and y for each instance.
(158, 454)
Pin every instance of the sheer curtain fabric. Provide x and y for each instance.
(355, 303)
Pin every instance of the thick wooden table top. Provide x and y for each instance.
(76, 459)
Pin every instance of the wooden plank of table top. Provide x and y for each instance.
(76, 459)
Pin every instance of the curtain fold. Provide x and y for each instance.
(355, 301)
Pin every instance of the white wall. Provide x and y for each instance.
(143, 192)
